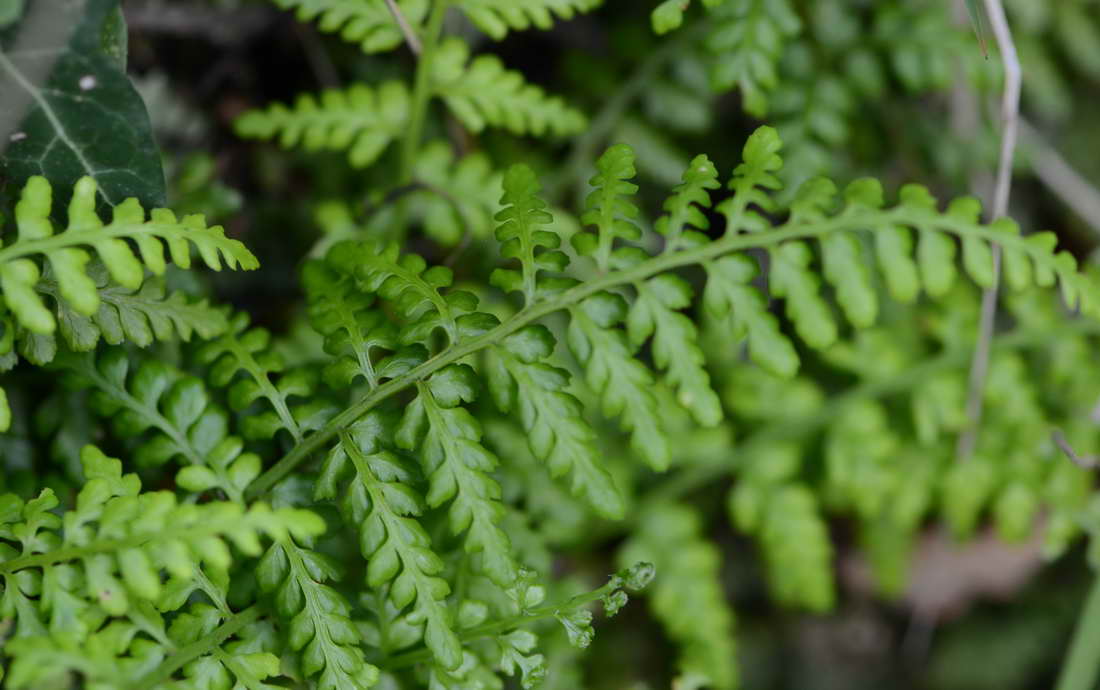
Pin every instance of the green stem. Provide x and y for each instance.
(489, 629)
(158, 676)
(162, 231)
(422, 91)
(730, 242)
(1083, 662)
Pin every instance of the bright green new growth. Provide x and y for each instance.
(106, 297)
(19, 274)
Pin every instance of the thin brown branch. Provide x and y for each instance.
(1088, 462)
(403, 23)
(1010, 108)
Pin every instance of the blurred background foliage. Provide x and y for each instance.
(898, 89)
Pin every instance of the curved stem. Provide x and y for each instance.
(203, 645)
(492, 628)
(731, 242)
(1083, 661)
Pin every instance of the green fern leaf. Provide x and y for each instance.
(139, 317)
(687, 598)
(246, 351)
(321, 630)
(520, 379)
(656, 313)
(153, 396)
(684, 207)
(799, 554)
(414, 290)
(786, 518)
(244, 663)
(752, 179)
(521, 239)
(20, 275)
(484, 93)
(353, 330)
(361, 120)
(624, 384)
(458, 466)
(383, 505)
(730, 295)
(122, 538)
(747, 41)
(608, 206)
(842, 254)
(497, 17)
(366, 22)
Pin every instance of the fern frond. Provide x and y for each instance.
(414, 291)
(366, 22)
(186, 422)
(20, 275)
(361, 120)
(457, 466)
(153, 396)
(321, 630)
(352, 328)
(656, 314)
(481, 92)
(497, 17)
(684, 208)
(245, 663)
(752, 182)
(524, 608)
(245, 351)
(608, 206)
(521, 379)
(687, 596)
(521, 239)
(140, 317)
(747, 41)
(121, 538)
(624, 384)
(384, 508)
(786, 518)
(731, 296)
(109, 657)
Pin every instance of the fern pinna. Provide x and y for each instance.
(392, 501)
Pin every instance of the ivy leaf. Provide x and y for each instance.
(69, 110)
